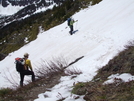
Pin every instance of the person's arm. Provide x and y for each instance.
(76, 21)
(28, 62)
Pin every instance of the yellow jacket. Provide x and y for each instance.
(28, 64)
(72, 22)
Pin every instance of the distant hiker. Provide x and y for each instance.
(70, 24)
(23, 68)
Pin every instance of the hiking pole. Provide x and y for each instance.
(76, 24)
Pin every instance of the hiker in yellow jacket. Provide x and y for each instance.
(26, 70)
(27, 63)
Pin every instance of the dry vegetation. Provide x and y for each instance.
(50, 72)
(95, 90)
(48, 75)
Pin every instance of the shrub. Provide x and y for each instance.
(5, 91)
(50, 68)
(79, 88)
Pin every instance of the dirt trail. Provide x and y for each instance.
(41, 86)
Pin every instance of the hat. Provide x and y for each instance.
(26, 54)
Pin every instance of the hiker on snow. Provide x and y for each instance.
(25, 70)
(70, 24)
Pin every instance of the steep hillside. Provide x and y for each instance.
(94, 64)
(95, 90)
(20, 32)
(119, 90)
(6, 3)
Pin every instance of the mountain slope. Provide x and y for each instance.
(18, 10)
(13, 35)
(9, 10)
(103, 31)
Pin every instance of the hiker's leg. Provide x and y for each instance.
(33, 77)
(21, 79)
(71, 31)
(27, 72)
(72, 28)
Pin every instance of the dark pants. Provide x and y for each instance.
(26, 72)
(71, 29)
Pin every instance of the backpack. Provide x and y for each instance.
(68, 21)
(19, 64)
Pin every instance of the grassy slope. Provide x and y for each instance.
(117, 91)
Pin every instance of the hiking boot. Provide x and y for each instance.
(21, 84)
